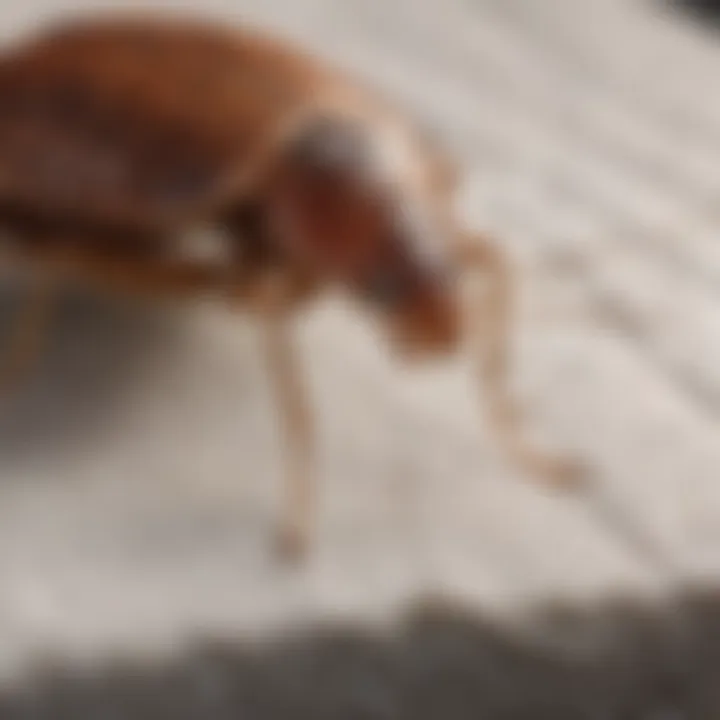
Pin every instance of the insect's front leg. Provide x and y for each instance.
(492, 325)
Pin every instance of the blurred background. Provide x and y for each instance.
(140, 467)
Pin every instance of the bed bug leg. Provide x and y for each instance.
(492, 327)
(295, 417)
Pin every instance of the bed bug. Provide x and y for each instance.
(120, 136)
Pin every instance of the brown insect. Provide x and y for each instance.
(120, 136)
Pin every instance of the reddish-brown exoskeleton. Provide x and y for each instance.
(119, 136)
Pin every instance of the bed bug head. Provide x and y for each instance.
(345, 202)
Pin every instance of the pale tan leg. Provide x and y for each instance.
(27, 333)
(271, 295)
(295, 416)
(493, 328)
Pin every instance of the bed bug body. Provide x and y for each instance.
(118, 136)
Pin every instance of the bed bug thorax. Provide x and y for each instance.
(347, 194)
